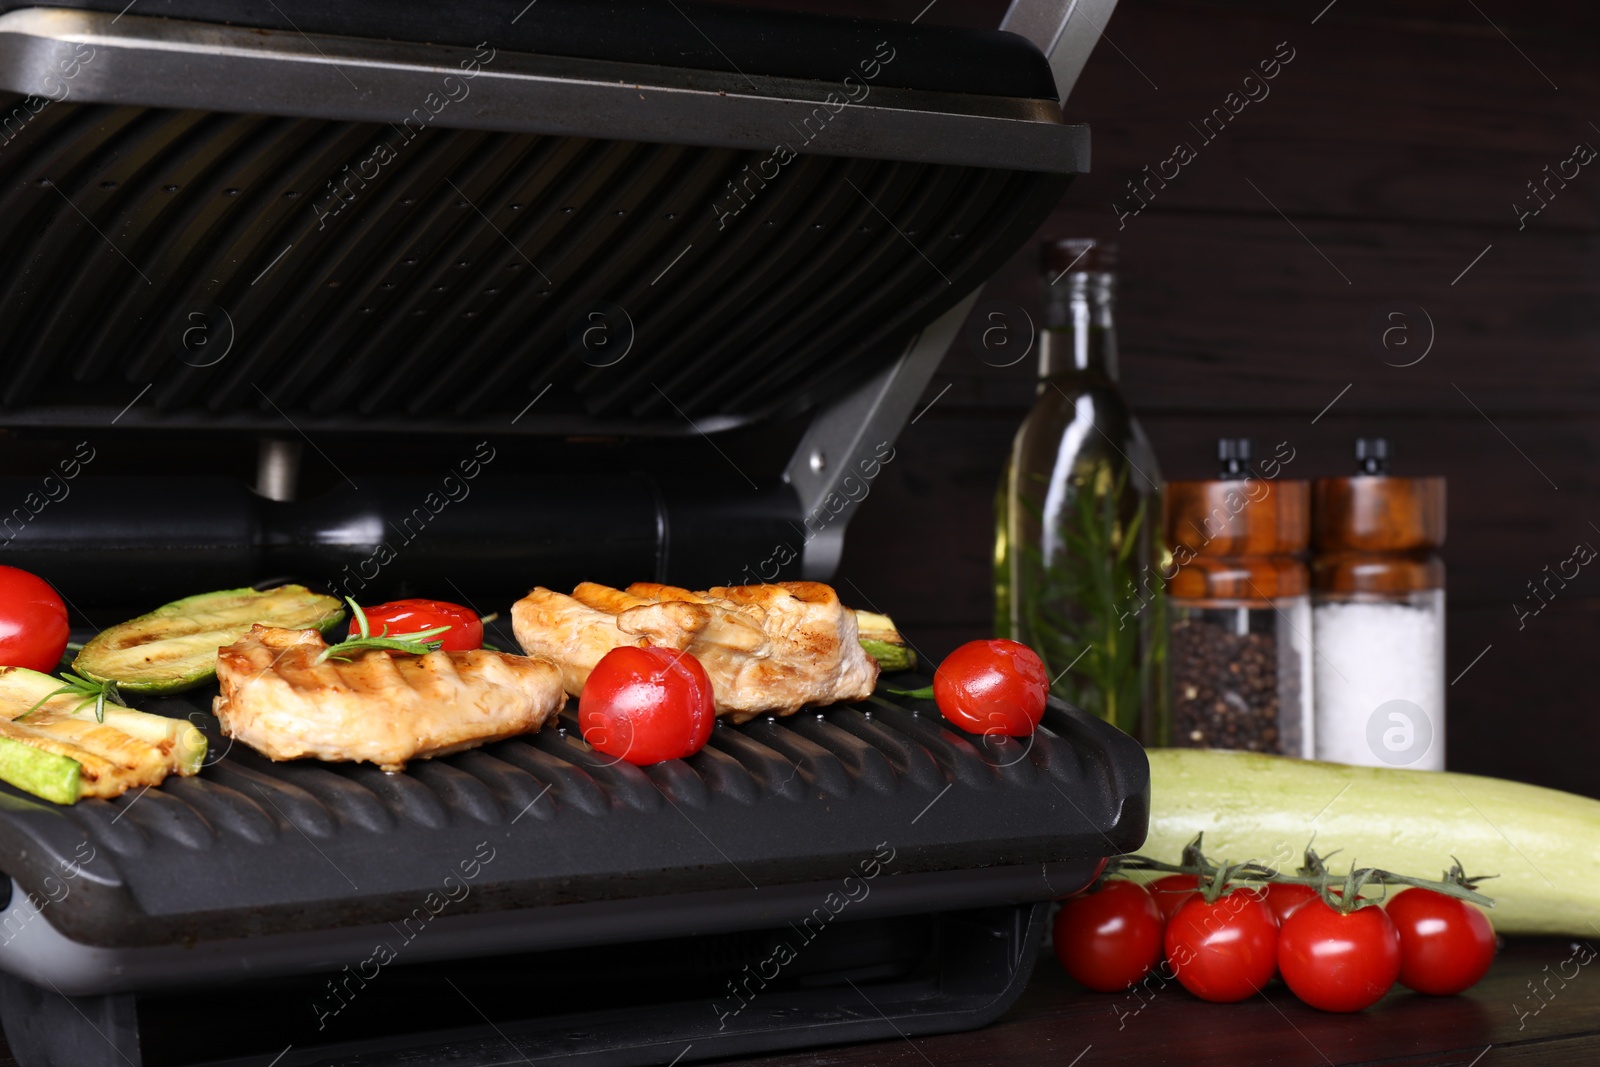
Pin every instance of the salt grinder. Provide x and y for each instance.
(1377, 593)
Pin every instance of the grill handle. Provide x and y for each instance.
(139, 542)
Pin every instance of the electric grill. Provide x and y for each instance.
(676, 224)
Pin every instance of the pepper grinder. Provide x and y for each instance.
(1239, 609)
(1377, 588)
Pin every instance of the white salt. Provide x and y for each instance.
(1379, 678)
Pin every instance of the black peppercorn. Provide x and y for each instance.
(1229, 688)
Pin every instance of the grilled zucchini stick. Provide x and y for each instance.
(59, 752)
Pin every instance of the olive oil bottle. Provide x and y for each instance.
(1078, 549)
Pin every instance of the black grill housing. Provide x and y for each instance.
(171, 264)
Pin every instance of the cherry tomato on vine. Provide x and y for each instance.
(1225, 950)
(1284, 897)
(992, 687)
(1099, 869)
(1446, 944)
(33, 622)
(645, 705)
(1339, 961)
(404, 617)
(1110, 938)
(1171, 891)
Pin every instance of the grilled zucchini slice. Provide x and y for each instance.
(175, 646)
(882, 641)
(52, 746)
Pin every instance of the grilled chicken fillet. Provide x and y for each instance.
(768, 649)
(376, 708)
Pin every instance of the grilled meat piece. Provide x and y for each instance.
(376, 708)
(768, 649)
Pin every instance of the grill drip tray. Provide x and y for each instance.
(834, 876)
(673, 1001)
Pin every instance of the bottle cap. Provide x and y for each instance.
(1372, 455)
(1077, 254)
(1233, 457)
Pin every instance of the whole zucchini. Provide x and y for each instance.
(1543, 844)
(175, 646)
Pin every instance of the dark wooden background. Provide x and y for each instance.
(1387, 157)
(1378, 176)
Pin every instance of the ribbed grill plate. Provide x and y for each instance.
(234, 271)
(250, 847)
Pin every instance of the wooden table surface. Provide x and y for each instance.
(1499, 1023)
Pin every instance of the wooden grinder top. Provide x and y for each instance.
(1237, 539)
(1377, 534)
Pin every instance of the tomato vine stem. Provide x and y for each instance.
(1216, 879)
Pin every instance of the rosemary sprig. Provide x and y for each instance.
(416, 644)
(1079, 607)
(96, 693)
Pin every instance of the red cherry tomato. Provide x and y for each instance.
(1171, 891)
(992, 687)
(33, 622)
(404, 617)
(1338, 962)
(1446, 944)
(1284, 897)
(645, 705)
(1259, 892)
(1111, 938)
(1223, 951)
(1099, 869)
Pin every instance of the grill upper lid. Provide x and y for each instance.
(219, 228)
(680, 33)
